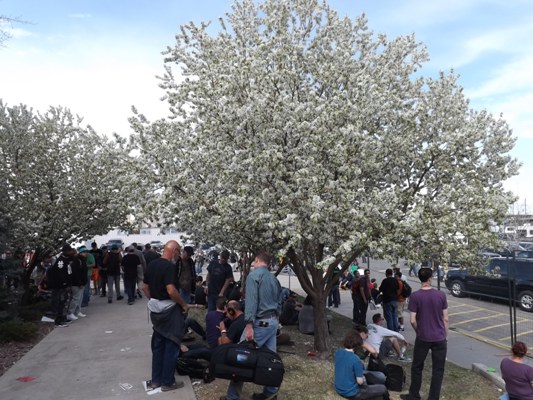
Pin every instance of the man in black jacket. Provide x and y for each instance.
(58, 277)
(389, 288)
(78, 280)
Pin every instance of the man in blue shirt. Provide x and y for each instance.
(261, 313)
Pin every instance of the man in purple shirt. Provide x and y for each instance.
(429, 318)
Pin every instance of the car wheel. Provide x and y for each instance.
(525, 300)
(458, 289)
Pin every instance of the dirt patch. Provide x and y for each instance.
(11, 352)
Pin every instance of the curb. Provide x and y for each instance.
(494, 377)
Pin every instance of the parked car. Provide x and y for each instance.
(115, 242)
(493, 281)
(157, 245)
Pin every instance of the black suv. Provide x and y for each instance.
(493, 282)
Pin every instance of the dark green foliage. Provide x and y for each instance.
(33, 312)
(16, 331)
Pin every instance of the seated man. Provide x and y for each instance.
(386, 340)
(372, 377)
(349, 378)
(291, 310)
(234, 313)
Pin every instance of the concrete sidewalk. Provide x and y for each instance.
(103, 356)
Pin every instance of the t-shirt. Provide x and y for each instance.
(218, 273)
(389, 288)
(376, 333)
(236, 328)
(199, 296)
(160, 273)
(518, 378)
(428, 306)
(348, 367)
(129, 264)
(212, 333)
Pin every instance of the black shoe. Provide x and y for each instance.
(109, 301)
(120, 297)
(130, 303)
(103, 295)
(262, 396)
(174, 386)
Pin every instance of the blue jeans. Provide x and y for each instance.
(86, 294)
(212, 302)
(185, 296)
(164, 355)
(264, 337)
(438, 359)
(390, 309)
(129, 288)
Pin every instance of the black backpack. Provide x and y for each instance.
(395, 377)
(197, 369)
(406, 290)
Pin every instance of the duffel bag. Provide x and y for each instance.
(244, 362)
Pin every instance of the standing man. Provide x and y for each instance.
(389, 288)
(186, 274)
(261, 313)
(130, 265)
(90, 263)
(141, 269)
(429, 318)
(112, 262)
(58, 276)
(219, 276)
(167, 310)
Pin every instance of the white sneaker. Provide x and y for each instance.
(82, 315)
(72, 317)
(405, 358)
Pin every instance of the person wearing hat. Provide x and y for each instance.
(186, 274)
(58, 276)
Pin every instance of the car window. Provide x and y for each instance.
(497, 269)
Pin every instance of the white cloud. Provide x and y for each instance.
(80, 15)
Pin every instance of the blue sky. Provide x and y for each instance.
(100, 57)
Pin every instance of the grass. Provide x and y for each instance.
(310, 378)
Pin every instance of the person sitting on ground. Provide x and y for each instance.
(212, 321)
(199, 293)
(518, 376)
(306, 318)
(349, 376)
(291, 310)
(234, 312)
(386, 340)
(372, 377)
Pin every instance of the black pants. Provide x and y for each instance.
(438, 359)
(59, 300)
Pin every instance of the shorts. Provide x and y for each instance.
(401, 308)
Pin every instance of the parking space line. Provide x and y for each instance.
(465, 312)
(477, 319)
(519, 334)
(497, 326)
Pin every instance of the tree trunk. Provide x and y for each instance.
(322, 339)
(26, 277)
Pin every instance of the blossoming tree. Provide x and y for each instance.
(307, 134)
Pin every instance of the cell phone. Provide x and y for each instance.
(263, 324)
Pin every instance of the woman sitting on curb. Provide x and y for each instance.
(518, 376)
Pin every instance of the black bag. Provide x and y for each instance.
(193, 368)
(395, 377)
(245, 363)
(406, 290)
(376, 364)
